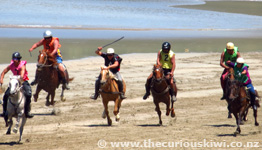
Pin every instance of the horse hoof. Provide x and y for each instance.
(117, 117)
(63, 99)
(47, 103)
(15, 130)
(104, 115)
(173, 115)
(229, 116)
(109, 122)
(256, 124)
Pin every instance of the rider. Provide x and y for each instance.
(18, 67)
(112, 61)
(230, 53)
(241, 74)
(51, 44)
(166, 58)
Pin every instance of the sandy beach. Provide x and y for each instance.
(200, 114)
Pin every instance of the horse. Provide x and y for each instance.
(160, 92)
(48, 77)
(109, 92)
(15, 106)
(237, 100)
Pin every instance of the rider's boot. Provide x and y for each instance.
(147, 86)
(35, 80)
(5, 98)
(120, 87)
(28, 108)
(94, 97)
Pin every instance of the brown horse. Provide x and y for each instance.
(48, 77)
(109, 92)
(160, 91)
(237, 100)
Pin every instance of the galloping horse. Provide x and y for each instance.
(238, 103)
(15, 106)
(160, 91)
(109, 92)
(48, 77)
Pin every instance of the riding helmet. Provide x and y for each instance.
(16, 55)
(166, 46)
(47, 34)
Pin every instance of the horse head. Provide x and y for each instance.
(106, 75)
(14, 85)
(45, 60)
(158, 73)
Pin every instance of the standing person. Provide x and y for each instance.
(18, 67)
(112, 61)
(241, 74)
(230, 53)
(166, 58)
(51, 44)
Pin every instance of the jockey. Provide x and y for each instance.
(165, 58)
(112, 61)
(230, 53)
(18, 67)
(51, 44)
(241, 74)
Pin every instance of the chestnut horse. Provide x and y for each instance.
(160, 91)
(48, 77)
(238, 102)
(109, 92)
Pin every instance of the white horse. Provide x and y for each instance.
(15, 106)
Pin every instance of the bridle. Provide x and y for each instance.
(45, 61)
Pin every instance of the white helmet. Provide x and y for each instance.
(110, 51)
(240, 60)
(230, 45)
(47, 34)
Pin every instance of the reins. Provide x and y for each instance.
(44, 64)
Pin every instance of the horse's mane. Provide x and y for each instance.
(50, 58)
(111, 75)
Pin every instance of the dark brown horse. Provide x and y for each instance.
(237, 100)
(160, 92)
(48, 77)
(110, 92)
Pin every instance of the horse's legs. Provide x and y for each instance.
(10, 126)
(62, 95)
(22, 127)
(158, 112)
(173, 114)
(109, 121)
(238, 119)
(117, 108)
(36, 93)
(52, 98)
(255, 114)
(168, 108)
(17, 122)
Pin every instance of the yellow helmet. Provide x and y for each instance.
(230, 45)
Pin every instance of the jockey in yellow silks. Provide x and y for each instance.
(165, 58)
(230, 53)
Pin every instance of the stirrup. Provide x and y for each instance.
(28, 115)
(122, 96)
(33, 83)
(146, 96)
(94, 97)
(223, 98)
(66, 86)
(173, 98)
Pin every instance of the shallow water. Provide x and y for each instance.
(150, 14)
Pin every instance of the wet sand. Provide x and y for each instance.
(242, 7)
